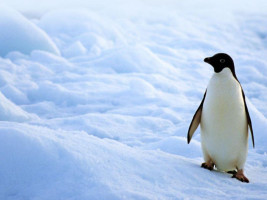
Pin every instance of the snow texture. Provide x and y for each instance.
(96, 97)
(19, 34)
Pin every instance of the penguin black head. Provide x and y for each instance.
(220, 61)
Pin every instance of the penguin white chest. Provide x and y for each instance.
(223, 123)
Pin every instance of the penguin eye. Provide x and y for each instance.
(222, 61)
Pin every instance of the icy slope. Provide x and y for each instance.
(108, 117)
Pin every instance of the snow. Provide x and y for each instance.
(22, 35)
(11, 112)
(96, 97)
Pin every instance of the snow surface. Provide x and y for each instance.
(96, 97)
(19, 34)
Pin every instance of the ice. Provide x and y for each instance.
(96, 97)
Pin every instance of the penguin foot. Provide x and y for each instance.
(207, 165)
(232, 172)
(240, 176)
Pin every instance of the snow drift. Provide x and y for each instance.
(19, 34)
(11, 112)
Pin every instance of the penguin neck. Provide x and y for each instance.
(222, 82)
(222, 78)
(225, 73)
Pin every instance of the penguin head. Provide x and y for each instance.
(220, 61)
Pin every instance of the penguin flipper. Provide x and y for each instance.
(196, 120)
(248, 119)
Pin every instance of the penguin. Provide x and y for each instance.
(224, 120)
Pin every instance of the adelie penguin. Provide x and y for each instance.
(224, 120)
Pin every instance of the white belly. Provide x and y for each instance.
(223, 123)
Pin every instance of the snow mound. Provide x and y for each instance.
(82, 31)
(51, 162)
(14, 94)
(11, 112)
(42, 163)
(19, 34)
(178, 145)
(131, 59)
(76, 49)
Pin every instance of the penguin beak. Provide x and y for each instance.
(207, 60)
